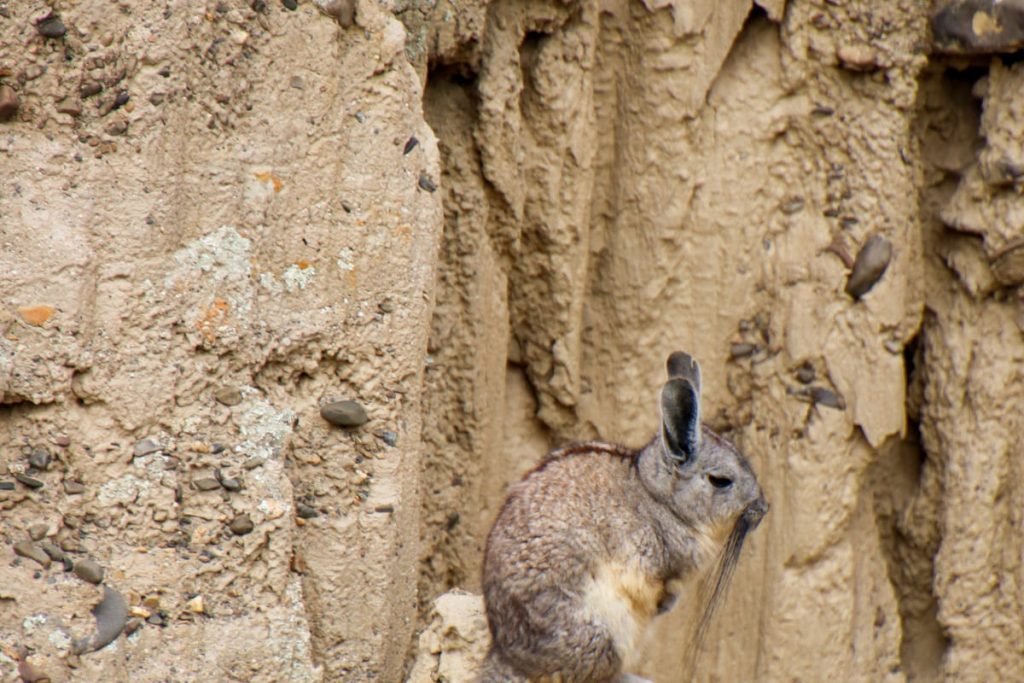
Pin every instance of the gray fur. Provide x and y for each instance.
(598, 515)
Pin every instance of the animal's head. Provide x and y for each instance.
(700, 476)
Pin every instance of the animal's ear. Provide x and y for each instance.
(684, 366)
(680, 419)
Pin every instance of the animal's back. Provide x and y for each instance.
(552, 583)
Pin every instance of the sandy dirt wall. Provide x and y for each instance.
(211, 225)
(488, 224)
(625, 179)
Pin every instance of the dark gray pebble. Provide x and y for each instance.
(40, 459)
(805, 374)
(426, 183)
(33, 552)
(87, 570)
(290, 5)
(51, 27)
(6, 485)
(390, 438)
(111, 616)
(241, 525)
(869, 266)
(28, 481)
(306, 511)
(231, 483)
(347, 414)
(827, 398)
(410, 145)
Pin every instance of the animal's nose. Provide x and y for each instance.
(756, 511)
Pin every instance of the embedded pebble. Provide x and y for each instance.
(306, 511)
(62, 440)
(410, 145)
(195, 605)
(253, 463)
(869, 266)
(426, 183)
(87, 570)
(53, 551)
(231, 483)
(206, 483)
(132, 626)
(9, 103)
(344, 414)
(792, 206)
(69, 106)
(827, 398)
(33, 552)
(805, 373)
(741, 350)
(145, 447)
(229, 396)
(28, 481)
(38, 531)
(111, 616)
(6, 485)
(51, 27)
(73, 488)
(241, 525)
(89, 88)
(290, 4)
(156, 620)
(40, 459)
(390, 438)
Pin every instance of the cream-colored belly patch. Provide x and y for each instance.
(625, 600)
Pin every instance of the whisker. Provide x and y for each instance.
(713, 590)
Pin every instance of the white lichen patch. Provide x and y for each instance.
(31, 624)
(224, 254)
(123, 490)
(296, 277)
(215, 273)
(346, 259)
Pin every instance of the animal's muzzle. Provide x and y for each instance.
(755, 512)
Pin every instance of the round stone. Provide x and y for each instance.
(347, 414)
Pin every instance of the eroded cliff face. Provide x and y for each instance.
(189, 270)
(489, 224)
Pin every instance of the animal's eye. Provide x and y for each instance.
(719, 482)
